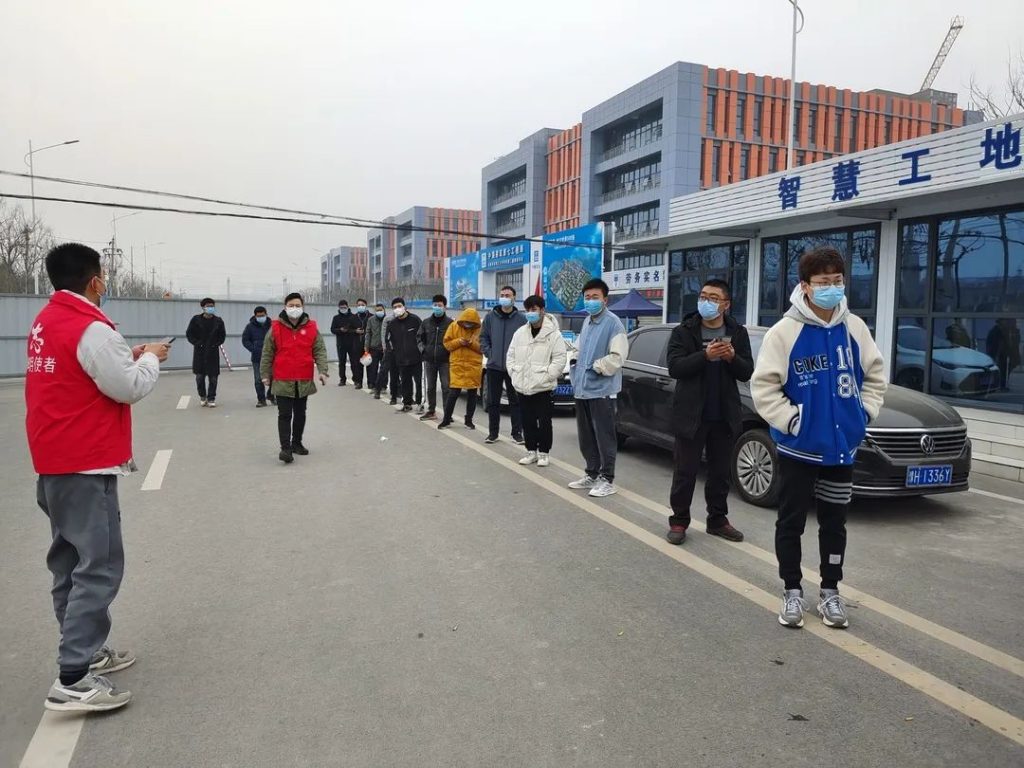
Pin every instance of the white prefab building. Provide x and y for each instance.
(933, 233)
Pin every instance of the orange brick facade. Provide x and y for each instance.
(440, 245)
(746, 119)
(562, 196)
(359, 267)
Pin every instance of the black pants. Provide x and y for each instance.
(206, 391)
(394, 380)
(537, 411)
(291, 419)
(261, 388)
(376, 374)
(804, 487)
(410, 376)
(453, 398)
(350, 353)
(716, 438)
(496, 380)
(595, 429)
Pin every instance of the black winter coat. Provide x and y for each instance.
(496, 336)
(346, 327)
(431, 339)
(253, 336)
(401, 340)
(206, 334)
(688, 365)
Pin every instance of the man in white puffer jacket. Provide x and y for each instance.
(536, 358)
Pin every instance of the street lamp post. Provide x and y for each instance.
(32, 193)
(792, 85)
(114, 253)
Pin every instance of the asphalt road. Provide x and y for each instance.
(421, 600)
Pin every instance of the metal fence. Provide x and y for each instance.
(142, 320)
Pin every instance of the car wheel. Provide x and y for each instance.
(755, 468)
(911, 378)
(621, 439)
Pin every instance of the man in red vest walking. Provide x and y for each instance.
(81, 380)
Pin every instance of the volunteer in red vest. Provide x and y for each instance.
(292, 353)
(80, 383)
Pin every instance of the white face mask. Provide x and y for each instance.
(399, 311)
(293, 312)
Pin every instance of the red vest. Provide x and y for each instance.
(71, 425)
(293, 351)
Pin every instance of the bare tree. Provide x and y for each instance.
(1011, 100)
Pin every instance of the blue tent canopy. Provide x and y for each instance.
(634, 305)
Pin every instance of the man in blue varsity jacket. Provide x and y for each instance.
(818, 382)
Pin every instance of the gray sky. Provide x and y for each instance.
(367, 108)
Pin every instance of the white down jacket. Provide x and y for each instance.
(536, 362)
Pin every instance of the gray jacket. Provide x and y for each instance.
(374, 338)
(496, 336)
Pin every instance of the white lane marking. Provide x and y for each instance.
(54, 741)
(938, 632)
(157, 470)
(995, 495)
(184, 401)
(998, 720)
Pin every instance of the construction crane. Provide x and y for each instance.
(940, 58)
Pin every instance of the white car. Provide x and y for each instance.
(955, 371)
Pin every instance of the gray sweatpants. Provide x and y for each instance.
(86, 559)
(595, 428)
(432, 372)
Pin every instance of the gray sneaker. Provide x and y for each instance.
(603, 487)
(107, 660)
(584, 483)
(92, 693)
(832, 609)
(792, 613)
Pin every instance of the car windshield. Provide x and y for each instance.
(913, 337)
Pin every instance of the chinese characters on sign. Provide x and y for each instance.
(1001, 148)
(788, 189)
(915, 177)
(844, 180)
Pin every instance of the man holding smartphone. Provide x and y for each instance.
(707, 354)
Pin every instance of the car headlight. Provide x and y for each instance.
(946, 366)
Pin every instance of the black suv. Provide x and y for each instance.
(918, 445)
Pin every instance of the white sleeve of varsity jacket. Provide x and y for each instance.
(610, 364)
(106, 357)
(872, 392)
(770, 376)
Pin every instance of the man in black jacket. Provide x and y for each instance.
(403, 346)
(435, 356)
(707, 354)
(252, 339)
(347, 328)
(206, 332)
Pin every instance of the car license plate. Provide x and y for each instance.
(929, 476)
(564, 389)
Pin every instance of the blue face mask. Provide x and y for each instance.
(438, 311)
(379, 314)
(708, 309)
(829, 296)
(593, 306)
(504, 301)
(210, 310)
(361, 310)
(532, 317)
(261, 319)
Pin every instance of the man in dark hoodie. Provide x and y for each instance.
(707, 354)
(346, 328)
(495, 339)
(435, 356)
(402, 345)
(252, 339)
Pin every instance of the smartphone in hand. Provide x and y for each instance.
(168, 341)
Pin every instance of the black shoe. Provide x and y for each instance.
(470, 424)
(286, 455)
(726, 532)
(300, 449)
(676, 534)
(428, 416)
(445, 424)
(406, 409)
(517, 438)
(261, 404)
(376, 395)
(357, 386)
(491, 439)
(394, 401)
(341, 383)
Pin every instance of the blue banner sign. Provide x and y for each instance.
(570, 259)
(463, 276)
(505, 256)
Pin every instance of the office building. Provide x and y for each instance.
(409, 252)
(514, 189)
(343, 269)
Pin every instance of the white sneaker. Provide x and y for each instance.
(202, 403)
(583, 483)
(212, 404)
(529, 458)
(542, 460)
(603, 488)
(92, 693)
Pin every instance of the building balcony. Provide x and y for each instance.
(508, 203)
(648, 229)
(510, 194)
(635, 143)
(647, 183)
(511, 226)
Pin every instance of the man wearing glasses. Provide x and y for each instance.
(707, 354)
(819, 381)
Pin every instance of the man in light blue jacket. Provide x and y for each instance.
(596, 381)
